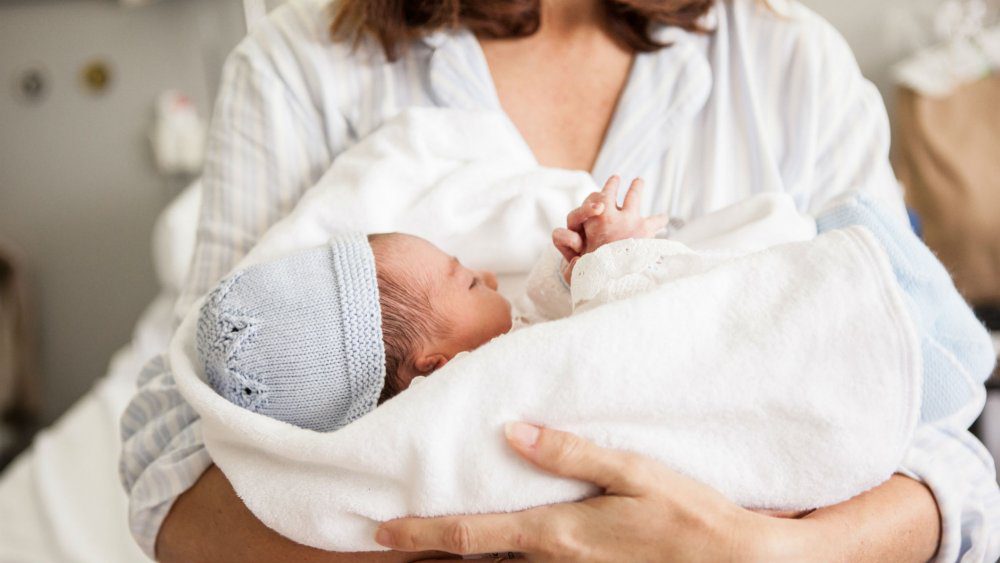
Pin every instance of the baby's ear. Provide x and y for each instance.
(429, 363)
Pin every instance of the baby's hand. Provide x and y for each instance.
(615, 223)
(599, 221)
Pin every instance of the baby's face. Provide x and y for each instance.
(466, 301)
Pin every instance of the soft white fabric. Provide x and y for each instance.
(632, 267)
(61, 500)
(680, 373)
(755, 223)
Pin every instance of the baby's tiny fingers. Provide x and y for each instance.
(593, 209)
(569, 243)
(568, 238)
(579, 216)
(634, 196)
(610, 188)
(594, 199)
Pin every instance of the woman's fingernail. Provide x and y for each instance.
(597, 206)
(525, 435)
(383, 537)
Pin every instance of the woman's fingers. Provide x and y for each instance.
(464, 535)
(569, 243)
(633, 198)
(569, 455)
(647, 510)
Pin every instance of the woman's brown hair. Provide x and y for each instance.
(394, 23)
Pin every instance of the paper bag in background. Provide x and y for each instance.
(948, 157)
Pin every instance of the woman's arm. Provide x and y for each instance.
(897, 521)
(210, 523)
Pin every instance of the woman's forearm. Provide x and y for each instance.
(210, 523)
(896, 521)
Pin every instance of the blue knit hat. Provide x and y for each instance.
(299, 339)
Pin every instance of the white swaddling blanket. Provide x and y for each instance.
(788, 378)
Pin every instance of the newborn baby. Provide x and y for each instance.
(319, 338)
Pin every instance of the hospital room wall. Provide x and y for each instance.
(78, 189)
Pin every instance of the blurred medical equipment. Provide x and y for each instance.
(178, 135)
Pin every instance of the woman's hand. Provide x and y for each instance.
(646, 511)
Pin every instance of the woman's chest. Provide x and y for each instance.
(561, 102)
(698, 146)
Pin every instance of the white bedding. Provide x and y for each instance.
(62, 500)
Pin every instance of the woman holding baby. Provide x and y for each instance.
(709, 101)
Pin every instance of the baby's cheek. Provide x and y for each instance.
(506, 324)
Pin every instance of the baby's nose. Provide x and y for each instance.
(491, 280)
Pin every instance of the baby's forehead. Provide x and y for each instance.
(397, 245)
(398, 252)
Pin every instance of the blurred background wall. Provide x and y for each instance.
(78, 189)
